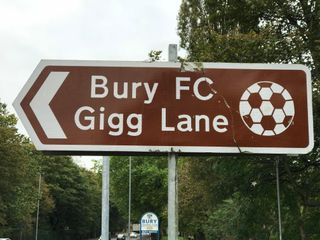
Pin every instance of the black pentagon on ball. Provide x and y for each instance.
(268, 123)
(255, 100)
(265, 84)
(248, 120)
(287, 121)
(277, 100)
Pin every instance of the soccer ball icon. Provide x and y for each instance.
(267, 108)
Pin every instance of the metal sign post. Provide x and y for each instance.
(172, 197)
(38, 206)
(105, 198)
(278, 198)
(129, 199)
(172, 177)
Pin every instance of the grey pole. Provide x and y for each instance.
(38, 206)
(278, 198)
(129, 203)
(172, 198)
(105, 198)
(173, 52)
(172, 177)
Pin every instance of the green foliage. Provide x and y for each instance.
(76, 195)
(253, 31)
(231, 200)
(154, 55)
(149, 185)
(18, 171)
(70, 200)
(194, 201)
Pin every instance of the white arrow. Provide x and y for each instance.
(40, 105)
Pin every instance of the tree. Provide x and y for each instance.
(70, 200)
(149, 184)
(18, 177)
(76, 195)
(257, 31)
(232, 201)
(194, 202)
(250, 31)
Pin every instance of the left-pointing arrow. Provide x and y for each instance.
(40, 105)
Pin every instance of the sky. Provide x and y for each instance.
(31, 30)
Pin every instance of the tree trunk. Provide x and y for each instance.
(302, 233)
(199, 236)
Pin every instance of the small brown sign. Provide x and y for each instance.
(98, 106)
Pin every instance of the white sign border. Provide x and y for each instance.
(162, 149)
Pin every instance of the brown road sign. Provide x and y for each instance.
(98, 106)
